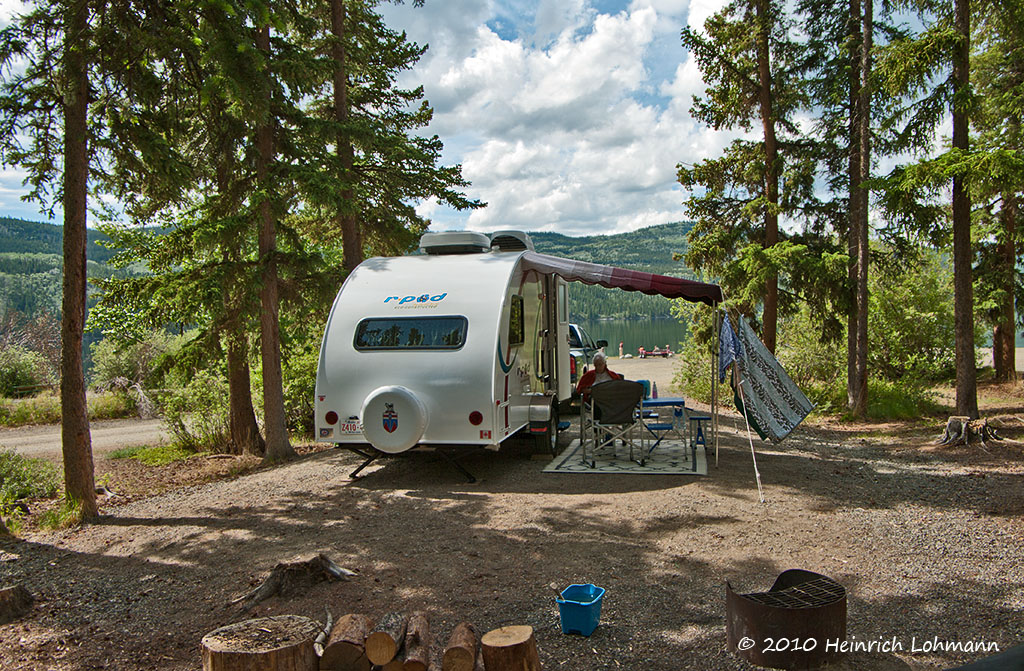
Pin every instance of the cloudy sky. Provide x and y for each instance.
(566, 115)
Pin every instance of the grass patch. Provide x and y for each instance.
(66, 515)
(152, 455)
(45, 408)
(25, 478)
(22, 478)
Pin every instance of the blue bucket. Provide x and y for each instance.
(579, 608)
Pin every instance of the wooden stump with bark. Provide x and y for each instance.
(961, 430)
(417, 643)
(386, 638)
(14, 602)
(460, 653)
(345, 647)
(281, 643)
(510, 649)
(289, 576)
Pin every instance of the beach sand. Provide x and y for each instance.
(656, 369)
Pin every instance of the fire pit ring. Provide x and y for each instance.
(791, 625)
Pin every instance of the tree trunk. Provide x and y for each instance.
(344, 650)
(245, 434)
(771, 170)
(860, 404)
(347, 221)
(963, 292)
(282, 643)
(76, 441)
(1004, 335)
(277, 446)
(510, 649)
(854, 174)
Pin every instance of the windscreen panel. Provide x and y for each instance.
(411, 333)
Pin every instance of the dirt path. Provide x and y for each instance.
(926, 541)
(107, 436)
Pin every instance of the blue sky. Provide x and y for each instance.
(566, 115)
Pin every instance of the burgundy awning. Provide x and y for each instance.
(620, 278)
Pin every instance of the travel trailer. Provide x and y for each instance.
(464, 344)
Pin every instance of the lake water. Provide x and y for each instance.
(635, 334)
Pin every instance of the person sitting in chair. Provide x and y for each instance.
(596, 375)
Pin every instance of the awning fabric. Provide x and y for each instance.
(621, 278)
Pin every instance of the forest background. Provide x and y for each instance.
(257, 151)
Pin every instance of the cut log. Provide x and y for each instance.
(289, 576)
(281, 643)
(386, 638)
(460, 654)
(417, 643)
(344, 650)
(14, 602)
(510, 649)
(395, 664)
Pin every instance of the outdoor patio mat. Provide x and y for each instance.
(669, 458)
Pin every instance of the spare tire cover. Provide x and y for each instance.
(393, 419)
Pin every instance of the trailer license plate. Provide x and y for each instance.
(350, 427)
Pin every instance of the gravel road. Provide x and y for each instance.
(107, 436)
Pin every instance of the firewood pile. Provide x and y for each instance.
(357, 642)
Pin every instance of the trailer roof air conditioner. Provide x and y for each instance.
(511, 241)
(455, 242)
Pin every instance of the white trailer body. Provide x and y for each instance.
(461, 346)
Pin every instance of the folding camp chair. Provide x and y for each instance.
(613, 413)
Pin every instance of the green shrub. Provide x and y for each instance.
(299, 373)
(115, 404)
(911, 324)
(67, 514)
(26, 478)
(139, 362)
(197, 413)
(21, 367)
(45, 408)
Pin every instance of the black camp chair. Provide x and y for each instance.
(613, 413)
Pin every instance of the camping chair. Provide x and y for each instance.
(613, 413)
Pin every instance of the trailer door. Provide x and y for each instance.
(561, 349)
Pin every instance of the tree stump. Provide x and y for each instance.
(460, 654)
(510, 649)
(417, 643)
(345, 648)
(14, 602)
(961, 430)
(281, 643)
(295, 576)
(386, 638)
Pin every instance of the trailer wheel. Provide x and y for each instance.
(548, 441)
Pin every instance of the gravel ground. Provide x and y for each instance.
(927, 542)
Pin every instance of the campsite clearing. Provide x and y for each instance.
(926, 540)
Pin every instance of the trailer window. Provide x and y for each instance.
(563, 303)
(515, 321)
(411, 333)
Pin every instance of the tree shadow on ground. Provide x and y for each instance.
(155, 576)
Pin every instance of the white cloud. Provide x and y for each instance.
(567, 115)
